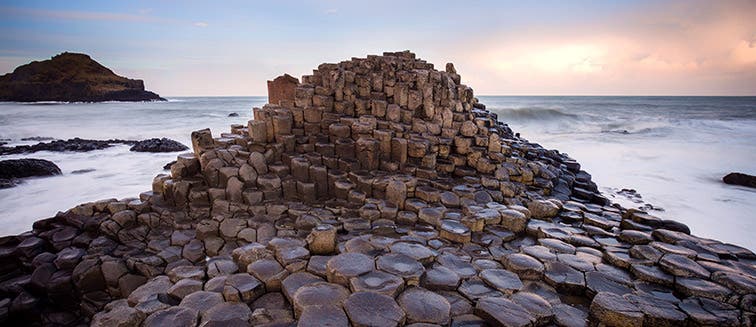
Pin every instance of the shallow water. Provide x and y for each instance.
(672, 150)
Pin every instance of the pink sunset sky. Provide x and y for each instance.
(499, 47)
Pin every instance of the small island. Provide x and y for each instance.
(70, 77)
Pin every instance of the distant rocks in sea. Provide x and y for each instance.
(158, 145)
(740, 179)
(12, 170)
(85, 145)
(70, 77)
(73, 145)
(233, 114)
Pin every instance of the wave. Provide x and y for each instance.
(535, 113)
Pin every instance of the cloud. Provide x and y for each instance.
(331, 11)
(200, 24)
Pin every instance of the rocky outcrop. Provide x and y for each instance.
(158, 145)
(740, 179)
(70, 77)
(11, 170)
(380, 193)
(84, 145)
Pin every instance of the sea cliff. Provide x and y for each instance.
(376, 191)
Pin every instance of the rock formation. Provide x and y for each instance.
(11, 170)
(378, 192)
(70, 77)
(740, 179)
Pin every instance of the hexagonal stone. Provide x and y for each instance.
(564, 278)
(317, 265)
(457, 264)
(118, 316)
(614, 310)
(539, 308)
(682, 266)
(373, 309)
(556, 245)
(539, 252)
(440, 278)
(706, 312)
(524, 266)
(468, 320)
(702, 288)
(315, 294)
(227, 314)
(156, 286)
(322, 315)
(296, 280)
(218, 267)
(184, 287)
(459, 304)
(201, 300)
(413, 250)
(657, 312)
(173, 316)
(186, 272)
(634, 237)
(500, 311)
(403, 266)
(423, 306)
(454, 231)
(569, 316)
(740, 283)
(503, 280)
(598, 281)
(242, 287)
(652, 274)
(270, 272)
(474, 288)
(347, 265)
(378, 282)
(513, 220)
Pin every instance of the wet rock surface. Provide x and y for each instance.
(375, 192)
(12, 170)
(158, 145)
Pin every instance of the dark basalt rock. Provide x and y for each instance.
(70, 77)
(20, 168)
(233, 114)
(158, 145)
(740, 179)
(74, 145)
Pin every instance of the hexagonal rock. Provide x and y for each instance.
(454, 231)
(706, 312)
(423, 306)
(416, 251)
(462, 267)
(474, 289)
(564, 278)
(657, 312)
(118, 316)
(682, 266)
(173, 316)
(513, 220)
(317, 293)
(156, 286)
(378, 282)
(186, 272)
(201, 300)
(568, 316)
(539, 308)
(184, 287)
(322, 315)
(227, 314)
(242, 287)
(503, 280)
(270, 272)
(403, 266)
(322, 239)
(347, 265)
(524, 266)
(296, 280)
(373, 309)
(613, 310)
(440, 278)
(500, 311)
(702, 288)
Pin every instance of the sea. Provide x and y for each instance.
(669, 154)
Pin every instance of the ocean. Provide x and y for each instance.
(672, 150)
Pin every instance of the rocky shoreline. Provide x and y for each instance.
(378, 192)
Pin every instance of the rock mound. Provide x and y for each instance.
(10, 170)
(740, 179)
(376, 191)
(158, 145)
(70, 77)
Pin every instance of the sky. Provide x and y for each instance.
(214, 48)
